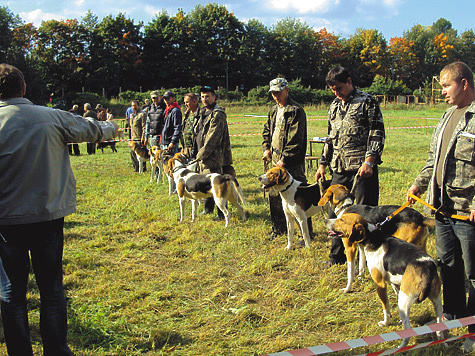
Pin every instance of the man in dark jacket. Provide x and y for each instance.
(172, 127)
(155, 119)
(285, 145)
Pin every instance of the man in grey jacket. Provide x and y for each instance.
(37, 190)
(449, 179)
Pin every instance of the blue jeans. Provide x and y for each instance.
(455, 245)
(42, 243)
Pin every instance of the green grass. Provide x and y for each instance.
(138, 282)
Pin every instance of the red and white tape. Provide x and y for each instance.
(377, 339)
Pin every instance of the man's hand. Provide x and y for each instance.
(280, 164)
(171, 146)
(365, 171)
(320, 174)
(414, 190)
(472, 216)
(267, 155)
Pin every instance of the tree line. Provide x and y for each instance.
(210, 45)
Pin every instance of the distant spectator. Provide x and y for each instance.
(137, 129)
(110, 117)
(101, 113)
(88, 112)
(146, 106)
(74, 146)
(128, 114)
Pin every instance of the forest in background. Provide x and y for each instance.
(209, 45)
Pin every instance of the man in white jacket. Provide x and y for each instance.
(37, 190)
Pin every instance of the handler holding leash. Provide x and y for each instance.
(354, 145)
(284, 143)
(449, 178)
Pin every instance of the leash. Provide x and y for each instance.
(266, 168)
(453, 216)
(388, 218)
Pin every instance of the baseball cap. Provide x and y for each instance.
(278, 84)
(169, 94)
(154, 94)
(206, 89)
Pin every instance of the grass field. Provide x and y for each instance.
(138, 282)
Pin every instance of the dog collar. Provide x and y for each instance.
(287, 188)
(347, 203)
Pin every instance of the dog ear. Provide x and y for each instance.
(358, 233)
(325, 198)
(283, 176)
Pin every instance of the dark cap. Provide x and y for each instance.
(207, 89)
(169, 94)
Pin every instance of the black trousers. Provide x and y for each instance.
(365, 190)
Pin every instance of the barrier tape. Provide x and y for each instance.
(392, 336)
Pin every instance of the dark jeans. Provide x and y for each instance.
(43, 244)
(366, 191)
(455, 245)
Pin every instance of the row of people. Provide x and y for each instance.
(352, 152)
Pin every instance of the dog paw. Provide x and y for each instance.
(383, 323)
(346, 290)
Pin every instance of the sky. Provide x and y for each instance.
(340, 17)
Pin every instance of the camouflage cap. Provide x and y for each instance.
(154, 94)
(278, 84)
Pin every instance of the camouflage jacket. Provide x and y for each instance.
(458, 172)
(355, 131)
(189, 122)
(293, 135)
(216, 146)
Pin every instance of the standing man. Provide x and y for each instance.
(189, 122)
(74, 146)
(172, 126)
(137, 131)
(212, 142)
(88, 112)
(155, 119)
(354, 145)
(285, 145)
(101, 113)
(449, 179)
(33, 204)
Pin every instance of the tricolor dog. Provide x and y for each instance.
(189, 184)
(408, 268)
(298, 200)
(409, 225)
(156, 163)
(141, 152)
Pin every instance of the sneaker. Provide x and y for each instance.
(469, 345)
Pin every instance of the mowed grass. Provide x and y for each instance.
(139, 282)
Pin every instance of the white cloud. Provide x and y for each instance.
(36, 16)
(304, 6)
(79, 3)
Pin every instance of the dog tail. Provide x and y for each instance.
(237, 187)
(429, 283)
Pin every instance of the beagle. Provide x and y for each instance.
(189, 184)
(141, 152)
(298, 200)
(409, 225)
(156, 163)
(408, 268)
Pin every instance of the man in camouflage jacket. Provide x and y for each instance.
(212, 141)
(449, 178)
(284, 144)
(354, 145)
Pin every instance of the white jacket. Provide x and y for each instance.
(36, 180)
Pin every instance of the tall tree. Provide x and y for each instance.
(404, 62)
(366, 55)
(297, 51)
(216, 35)
(465, 48)
(8, 23)
(115, 52)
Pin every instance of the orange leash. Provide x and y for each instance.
(453, 216)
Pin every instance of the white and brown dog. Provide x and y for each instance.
(299, 200)
(189, 184)
(156, 163)
(141, 152)
(409, 225)
(408, 268)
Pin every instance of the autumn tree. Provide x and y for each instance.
(403, 61)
